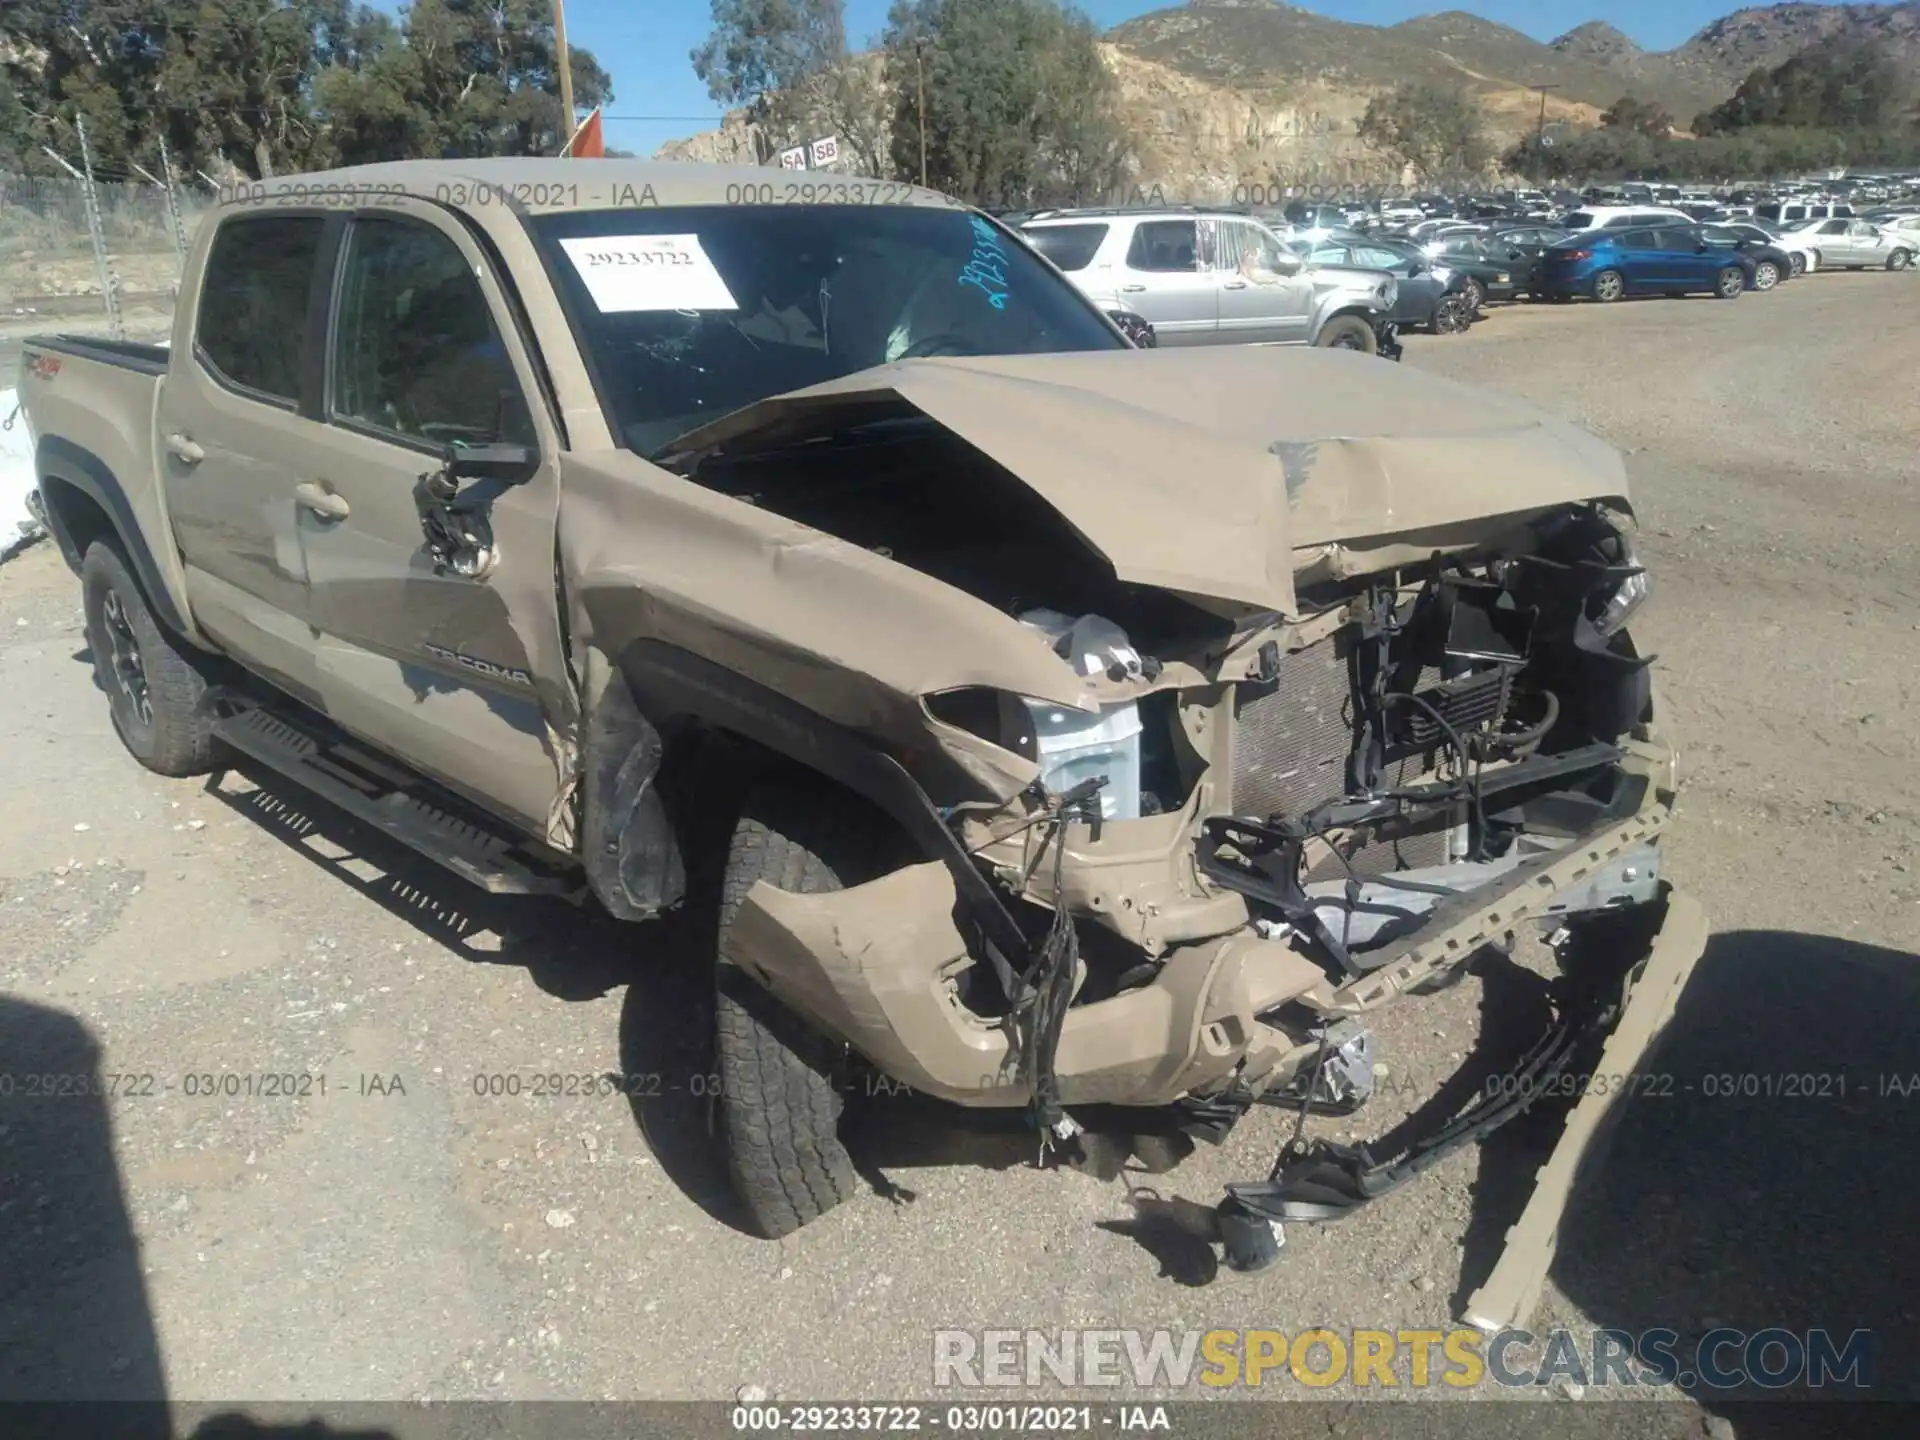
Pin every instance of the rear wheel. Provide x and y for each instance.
(1766, 275)
(780, 1081)
(1348, 332)
(1899, 260)
(155, 690)
(1608, 286)
(1730, 283)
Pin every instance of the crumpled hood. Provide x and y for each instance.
(1204, 470)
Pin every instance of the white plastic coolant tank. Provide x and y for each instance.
(1076, 744)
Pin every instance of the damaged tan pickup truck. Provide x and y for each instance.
(1092, 725)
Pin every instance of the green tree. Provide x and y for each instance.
(273, 85)
(1019, 107)
(1644, 116)
(1841, 86)
(1437, 131)
(782, 60)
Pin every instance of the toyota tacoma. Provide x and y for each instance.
(1087, 725)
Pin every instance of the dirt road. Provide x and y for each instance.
(326, 1136)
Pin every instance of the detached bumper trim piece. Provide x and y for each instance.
(1511, 1291)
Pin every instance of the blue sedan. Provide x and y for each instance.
(1668, 260)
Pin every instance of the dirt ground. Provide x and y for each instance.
(410, 1235)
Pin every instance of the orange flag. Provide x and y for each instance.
(588, 142)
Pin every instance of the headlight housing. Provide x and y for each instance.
(1627, 597)
(1629, 593)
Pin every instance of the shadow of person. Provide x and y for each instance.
(1769, 1184)
(74, 1318)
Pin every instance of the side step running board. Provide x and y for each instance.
(424, 822)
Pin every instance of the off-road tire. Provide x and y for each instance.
(1348, 332)
(1609, 286)
(1730, 289)
(781, 1093)
(171, 733)
(1899, 259)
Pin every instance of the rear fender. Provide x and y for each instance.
(85, 501)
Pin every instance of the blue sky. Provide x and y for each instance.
(645, 44)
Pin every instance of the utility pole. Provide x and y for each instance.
(566, 73)
(920, 83)
(1539, 134)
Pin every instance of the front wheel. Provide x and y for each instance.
(1348, 332)
(1451, 316)
(1608, 286)
(1474, 293)
(155, 691)
(781, 1083)
(1730, 283)
(1899, 260)
(1766, 275)
(1796, 265)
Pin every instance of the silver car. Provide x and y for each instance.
(1212, 278)
(1843, 244)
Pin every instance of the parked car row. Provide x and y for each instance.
(1194, 276)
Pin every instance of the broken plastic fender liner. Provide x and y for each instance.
(1511, 1291)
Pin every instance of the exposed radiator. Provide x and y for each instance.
(1291, 741)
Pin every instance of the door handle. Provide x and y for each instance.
(1131, 289)
(1234, 285)
(322, 502)
(182, 448)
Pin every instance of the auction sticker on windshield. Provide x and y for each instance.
(648, 272)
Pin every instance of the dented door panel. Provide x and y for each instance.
(463, 675)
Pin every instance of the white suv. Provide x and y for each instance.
(1624, 217)
(1215, 278)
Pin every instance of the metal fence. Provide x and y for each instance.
(90, 254)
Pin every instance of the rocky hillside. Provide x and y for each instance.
(1773, 34)
(1226, 92)
(1277, 45)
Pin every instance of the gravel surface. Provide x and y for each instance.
(406, 1234)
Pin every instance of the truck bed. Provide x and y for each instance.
(128, 354)
(92, 403)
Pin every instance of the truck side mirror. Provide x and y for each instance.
(510, 464)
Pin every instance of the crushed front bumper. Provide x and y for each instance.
(1596, 1049)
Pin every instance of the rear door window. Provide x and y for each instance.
(1580, 220)
(1071, 247)
(1165, 246)
(252, 323)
